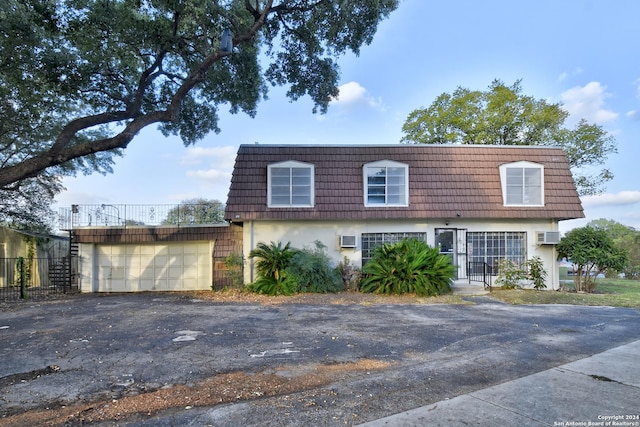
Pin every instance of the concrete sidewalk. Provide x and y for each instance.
(601, 390)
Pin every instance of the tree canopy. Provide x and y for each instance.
(196, 211)
(626, 238)
(502, 115)
(593, 252)
(80, 78)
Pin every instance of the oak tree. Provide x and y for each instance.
(80, 78)
(503, 115)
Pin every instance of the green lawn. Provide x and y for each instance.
(610, 292)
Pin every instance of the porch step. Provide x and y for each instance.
(463, 287)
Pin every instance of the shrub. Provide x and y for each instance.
(408, 266)
(509, 274)
(271, 286)
(537, 273)
(350, 274)
(273, 260)
(311, 271)
(233, 270)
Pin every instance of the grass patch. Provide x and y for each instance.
(608, 292)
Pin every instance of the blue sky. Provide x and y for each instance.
(582, 53)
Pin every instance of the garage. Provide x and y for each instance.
(171, 266)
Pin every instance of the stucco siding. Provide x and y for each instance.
(304, 233)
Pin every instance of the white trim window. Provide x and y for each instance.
(386, 183)
(290, 184)
(522, 184)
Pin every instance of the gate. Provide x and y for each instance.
(28, 278)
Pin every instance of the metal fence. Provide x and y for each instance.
(27, 278)
(140, 215)
(480, 272)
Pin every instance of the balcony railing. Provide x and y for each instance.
(124, 216)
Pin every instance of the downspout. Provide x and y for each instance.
(555, 226)
(251, 242)
(212, 246)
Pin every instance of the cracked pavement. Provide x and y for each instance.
(108, 347)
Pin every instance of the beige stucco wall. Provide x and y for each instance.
(302, 234)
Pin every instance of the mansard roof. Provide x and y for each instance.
(445, 181)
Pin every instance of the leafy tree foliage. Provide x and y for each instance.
(593, 252)
(502, 115)
(196, 211)
(631, 243)
(408, 266)
(27, 206)
(613, 229)
(626, 238)
(80, 78)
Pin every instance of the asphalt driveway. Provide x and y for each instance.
(93, 350)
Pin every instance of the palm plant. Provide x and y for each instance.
(408, 266)
(273, 260)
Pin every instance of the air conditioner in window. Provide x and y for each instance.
(347, 241)
(548, 237)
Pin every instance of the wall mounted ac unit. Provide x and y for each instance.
(548, 237)
(347, 241)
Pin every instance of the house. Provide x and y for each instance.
(478, 204)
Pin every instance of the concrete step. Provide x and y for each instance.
(463, 287)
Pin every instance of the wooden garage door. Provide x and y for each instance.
(154, 267)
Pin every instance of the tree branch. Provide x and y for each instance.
(61, 151)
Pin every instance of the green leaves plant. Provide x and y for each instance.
(503, 115)
(409, 266)
(84, 77)
(592, 251)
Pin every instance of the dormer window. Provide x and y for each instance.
(386, 183)
(290, 184)
(522, 184)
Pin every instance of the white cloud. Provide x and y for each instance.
(587, 102)
(223, 157)
(566, 74)
(353, 93)
(633, 114)
(213, 175)
(210, 170)
(609, 199)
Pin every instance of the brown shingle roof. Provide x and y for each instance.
(444, 181)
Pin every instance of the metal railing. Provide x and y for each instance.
(480, 272)
(27, 278)
(107, 215)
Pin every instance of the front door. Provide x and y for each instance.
(452, 242)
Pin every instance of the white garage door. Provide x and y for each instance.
(154, 267)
